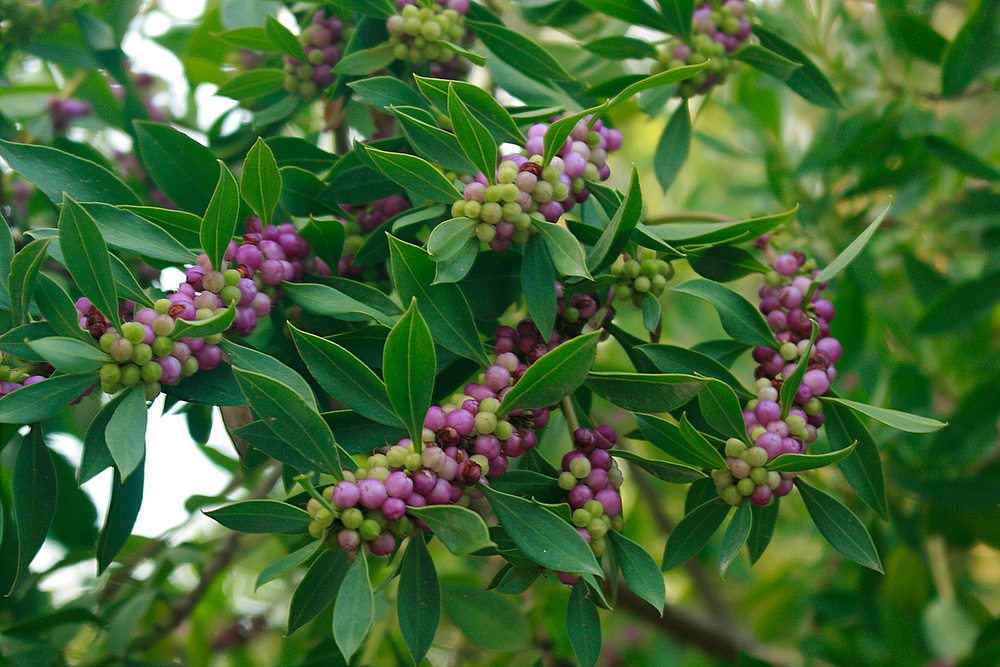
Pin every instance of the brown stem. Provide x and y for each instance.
(222, 557)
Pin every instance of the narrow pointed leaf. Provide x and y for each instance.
(641, 572)
(761, 529)
(125, 433)
(219, 223)
(673, 147)
(721, 408)
(418, 600)
(262, 516)
(415, 175)
(43, 399)
(894, 418)
(34, 493)
(70, 355)
(807, 81)
(614, 237)
(555, 375)
(85, 254)
(693, 532)
(791, 384)
(583, 625)
(519, 52)
(354, 610)
(286, 564)
(249, 359)
(675, 359)
(800, 462)
(863, 469)
(475, 139)
(459, 528)
(207, 327)
(738, 316)
(24, 268)
(851, 251)
(538, 281)
(408, 368)
(839, 526)
(645, 392)
(736, 536)
(260, 182)
(123, 508)
(672, 473)
(669, 438)
(564, 248)
(318, 588)
(968, 54)
(449, 237)
(283, 38)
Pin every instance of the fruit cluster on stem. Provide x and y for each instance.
(320, 43)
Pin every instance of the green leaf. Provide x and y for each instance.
(126, 230)
(735, 536)
(808, 81)
(863, 470)
(638, 12)
(16, 340)
(583, 625)
(614, 237)
(249, 359)
(662, 79)
(538, 280)
(383, 92)
(262, 516)
(366, 61)
(970, 52)
(645, 392)
(219, 223)
(318, 587)
(249, 37)
(682, 234)
(519, 52)
(287, 564)
(674, 359)
(345, 377)
(800, 462)
(738, 316)
(488, 619)
(55, 172)
(185, 170)
(641, 572)
(433, 143)
(555, 375)
(358, 435)
(724, 263)
(291, 418)
(677, 15)
(6, 256)
(839, 526)
(620, 47)
(672, 473)
(182, 225)
(207, 327)
(767, 61)
(96, 457)
(418, 601)
(448, 314)
(326, 238)
(960, 159)
(283, 38)
(763, 520)
(43, 399)
(354, 610)
(541, 535)
(379, 9)
(852, 251)
(323, 300)
(24, 269)
(481, 103)
(70, 355)
(263, 438)
(894, 418)
(559, 131)
(721, 408)
(453, 269)
(126, 499)
(475, 139)
(460, 529)
(667, 437)
(86, 256)
(253, 83)
(564, 248)
(449, 237)
(790, 385)
(260, 182)
(34, 494)
(408, 367)
(693, 532)
(415, 175)
(125, 433)
(58, 309)
(672, 149)
(126, 621)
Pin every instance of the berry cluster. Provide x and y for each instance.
(638, 276)
(419, 34)
(790, 315)
(592, 478)
(319, 40)
(23, 20)
(12, 379)
(464, 444)
(64, 110)
(715, 33)
(368, 220)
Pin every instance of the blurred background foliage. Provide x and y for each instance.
(919, 318)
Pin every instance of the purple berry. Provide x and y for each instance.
(346, 495)
(373, 492)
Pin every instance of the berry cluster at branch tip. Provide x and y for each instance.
(642, 275)
(525, 186)
(715, 35)
(320, 43)
(367, 220)
(12, 379)
(420, 34)
(790, 314)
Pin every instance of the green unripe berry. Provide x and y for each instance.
(745, 486)
(162, 346)
(796, 424)
(486, 422)
(152, 389)
(473, 209)
(511, 211)
(789, 351)
(189, 367)
(759, 476)
(735, 447)
(401, 52)
(107, 339)
(632, 269)
(142, 354)
(111, 373)
(489, 405)
(151, 372)
(543, 192)
(560, 191)
(509, 192)
(598, 545)
(567, 481)
(110, 387)
(308, 89)
(315, 530)
(813, 407)
(594, 507)
(623, 292)
(580, 467)
(230, 295)
(413, 461)
(503, 430)
(722, 478)
(641, 284)
(581, 518)
(491, 213)
(312, 507)
(657, 284)
(369, 529)
(754, 434)
(731, 495)
(133, 332)
(571, 314)
(756, 456)
(396, 456)
(773, 480)
(493, 193)
(597, 529)
(648, 269)
(431, 31)
(324, 518)
(352, 518)
(378, 460)
(131, 375)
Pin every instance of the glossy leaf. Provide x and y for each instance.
(125, 434)
(852, 251)
(669, 438)
(24, 269)
(672, 473)
(59, 310)
(614, 237)
(56, 173)
(557, 133)
(720, 406)
(253, 83)
(418, 601)
(692, 533)
(286, 564)
(326, 238)
(538, 280)
(800, 462)
(249, 359)
(655, 81)
(447, 312)
(583, 625)
(318, 587)
(43, 399)
(408, 367)
(86, 256)
(345, 377)
(480, 102)
(262, 516)
(673, 147)
(433, 143)
(645, 392)
(283, 38)
(449, 237)
(620, 47)
(126, 499)
(519, 52)
(894, 418)
(683, 234)
(383, 92)
(675, 359)
(735, 536)
(260, 182)
(541, 535)
(724, 263)
(564, 248)
(182, 168)
(863, 470)
(415, 175)
(839, 526)
(641, 572)
(207, 327)
(460, 529)
(354, 609)
(128, 231)
(763, 520)
(968, 53)
(738, 316)
(808, 81)
(34, 493)
(219, 223)
(767, 61)
(677, 15)
(638, 12)
(475, 139)
(486, 618)
(555, 375)
(70, 355)
(323, 300)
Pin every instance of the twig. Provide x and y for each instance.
(570, 412)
